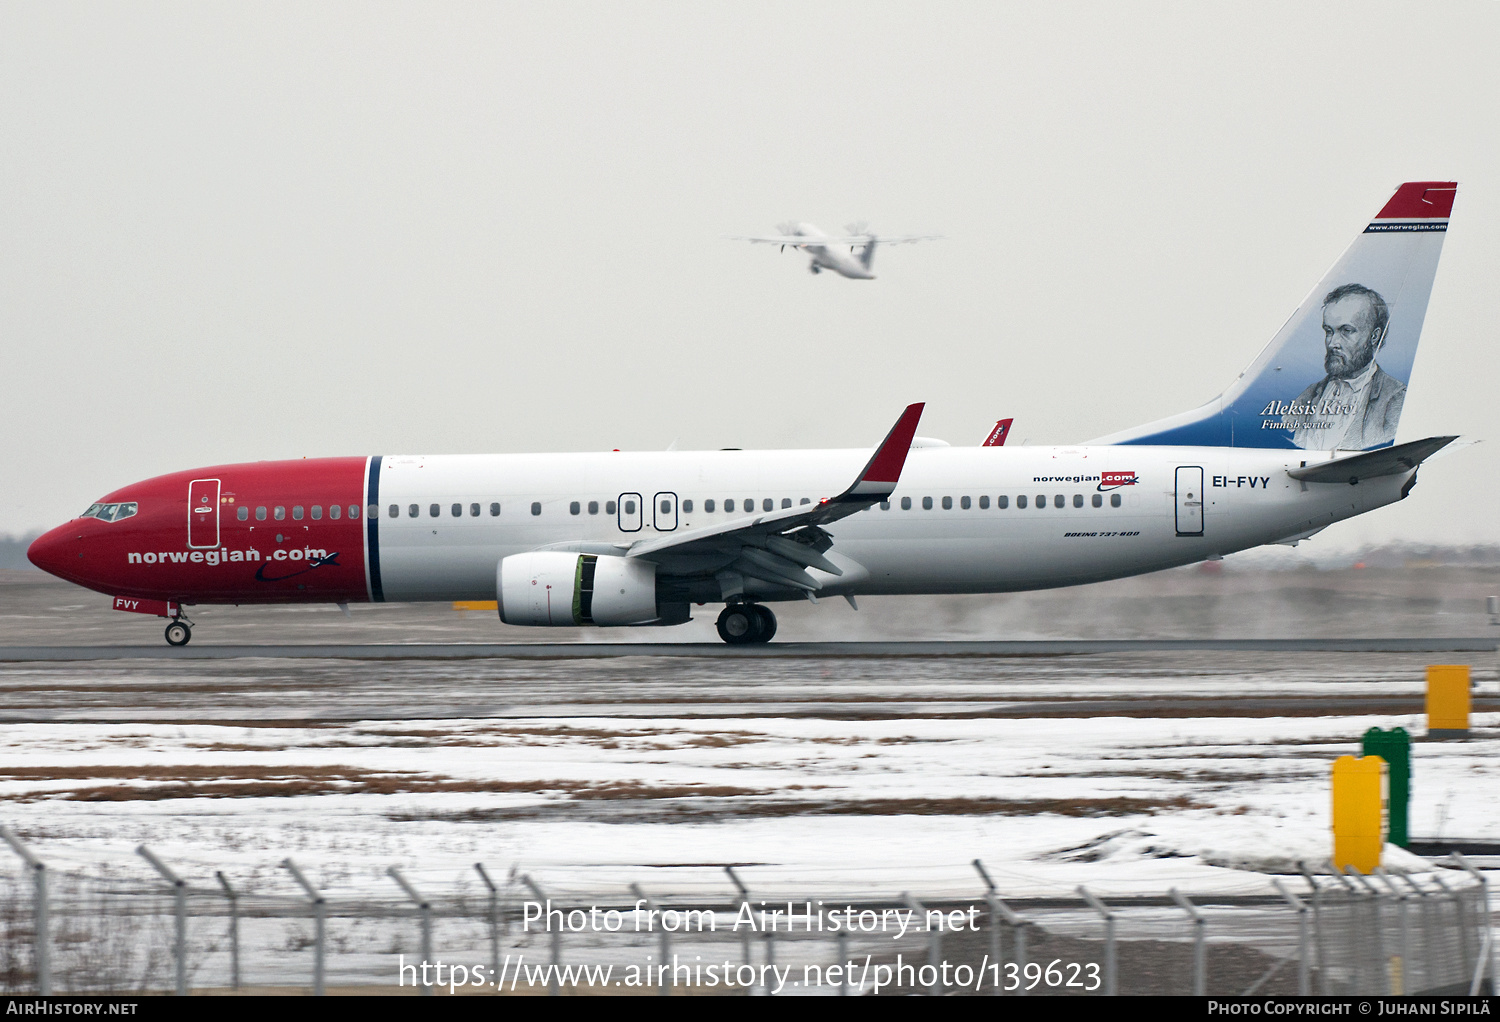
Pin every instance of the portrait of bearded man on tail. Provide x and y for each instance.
(1357, 405)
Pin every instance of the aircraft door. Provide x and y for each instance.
(203, 513)
(664, 512)
(1189, 500)
(632, 514)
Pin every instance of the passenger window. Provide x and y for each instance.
(317, 512)
(1041, 500)
(729, 505)
(434, 510)
(1098, 500)
(394, 511)
(687, 507)
(947, 503)
(334, 511)
(906, 503)
(1114, 500)
(708, 506)
(473, 510)
(984, 503)
(297, 513)
(536, 507)
(1020, 500)
(786, 501)
(1078, 500)
(749, 505)
(593, 507)
(926, 503)
(279, 514)
(370, 512)
(767, 504)
(413, 510)
(963, 502)
(243, 514)
(494, 509)
(629, 508)
(1060, 501)
(885, 505)
(805, 500)
(260, 514)
(666, 507)
(575, 508)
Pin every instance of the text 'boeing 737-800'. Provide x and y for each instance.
(829, 253)
(1303, 438)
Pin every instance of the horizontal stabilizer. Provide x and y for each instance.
(1387, 462)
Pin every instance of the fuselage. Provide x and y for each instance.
(962, 520)
(832, 257)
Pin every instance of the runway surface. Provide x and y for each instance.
(589, 650)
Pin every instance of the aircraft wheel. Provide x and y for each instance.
(767, 629)
(739, 623)
(178, 633)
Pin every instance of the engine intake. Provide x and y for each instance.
(552, 588)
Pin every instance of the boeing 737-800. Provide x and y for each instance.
(828, 252)
(1302, 439)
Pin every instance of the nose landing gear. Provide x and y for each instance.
(179, 630)
(740, 624)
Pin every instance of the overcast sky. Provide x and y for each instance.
(232, 232)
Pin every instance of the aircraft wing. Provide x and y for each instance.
(804, 240)
(798, 240)
(1388, 461)
(762, 546)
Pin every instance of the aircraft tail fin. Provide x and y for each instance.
(1334, 377)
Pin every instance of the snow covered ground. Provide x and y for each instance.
(819, 778)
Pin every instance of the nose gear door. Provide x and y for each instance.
(203, 513)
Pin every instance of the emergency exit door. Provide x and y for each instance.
(631, 514)
(664, 512)
(1189, 500)
(203, 513)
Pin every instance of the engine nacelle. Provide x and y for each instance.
(549, 587)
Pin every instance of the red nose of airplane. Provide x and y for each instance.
(58, 552)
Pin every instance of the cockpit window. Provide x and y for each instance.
(111, 512)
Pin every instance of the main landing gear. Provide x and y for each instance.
(742, 623)
(179, 632)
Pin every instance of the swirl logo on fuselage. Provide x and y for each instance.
(1115, 480)
(313, 563)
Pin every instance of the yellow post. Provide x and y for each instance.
(1448, 701)
(1359, 808)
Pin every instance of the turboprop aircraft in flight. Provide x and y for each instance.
(828, 253)
(1304, 438)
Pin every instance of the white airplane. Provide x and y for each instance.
(828, 252)
(1302, 439)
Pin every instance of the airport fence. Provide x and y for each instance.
(140, 926)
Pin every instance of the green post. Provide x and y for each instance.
(1393, 746)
